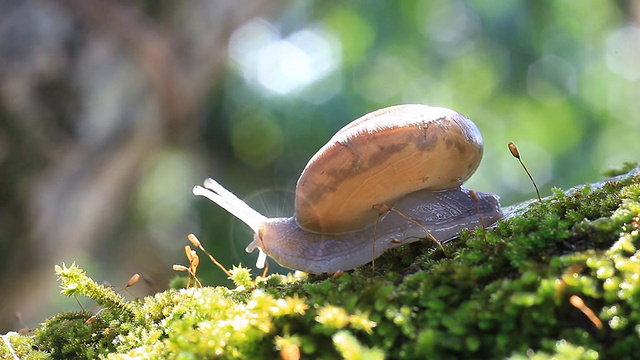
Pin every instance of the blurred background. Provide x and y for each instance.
(110, 112)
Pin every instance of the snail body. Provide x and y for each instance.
(411, 158)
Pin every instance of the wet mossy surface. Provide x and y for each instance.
(556, 279)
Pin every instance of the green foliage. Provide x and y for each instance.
(22, 347)
(562, 351)
(504, 295)
(73, 336)
(74, 282)
(350, 348)
(625, 168)
(241, 277)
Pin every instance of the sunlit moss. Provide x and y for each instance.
(562, 351)
(333, 317)
(558, 280)
(350, 348)
(241, 277)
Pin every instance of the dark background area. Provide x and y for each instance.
(110, 112)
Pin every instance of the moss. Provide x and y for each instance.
(626, 167)
(73, 335)
(556, 279)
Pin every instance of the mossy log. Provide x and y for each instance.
(558, 278)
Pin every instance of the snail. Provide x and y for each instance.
(408, 159)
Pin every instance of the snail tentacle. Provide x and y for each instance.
(215, 192)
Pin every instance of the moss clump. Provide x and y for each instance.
(72, 335)
(557, 279)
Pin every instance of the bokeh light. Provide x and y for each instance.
(283, 64)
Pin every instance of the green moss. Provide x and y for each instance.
(625, 168)
(503, 292)
(73, 335)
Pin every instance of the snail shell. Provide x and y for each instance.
(381, 157)
(413, 158)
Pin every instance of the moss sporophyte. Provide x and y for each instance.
(557, 278)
